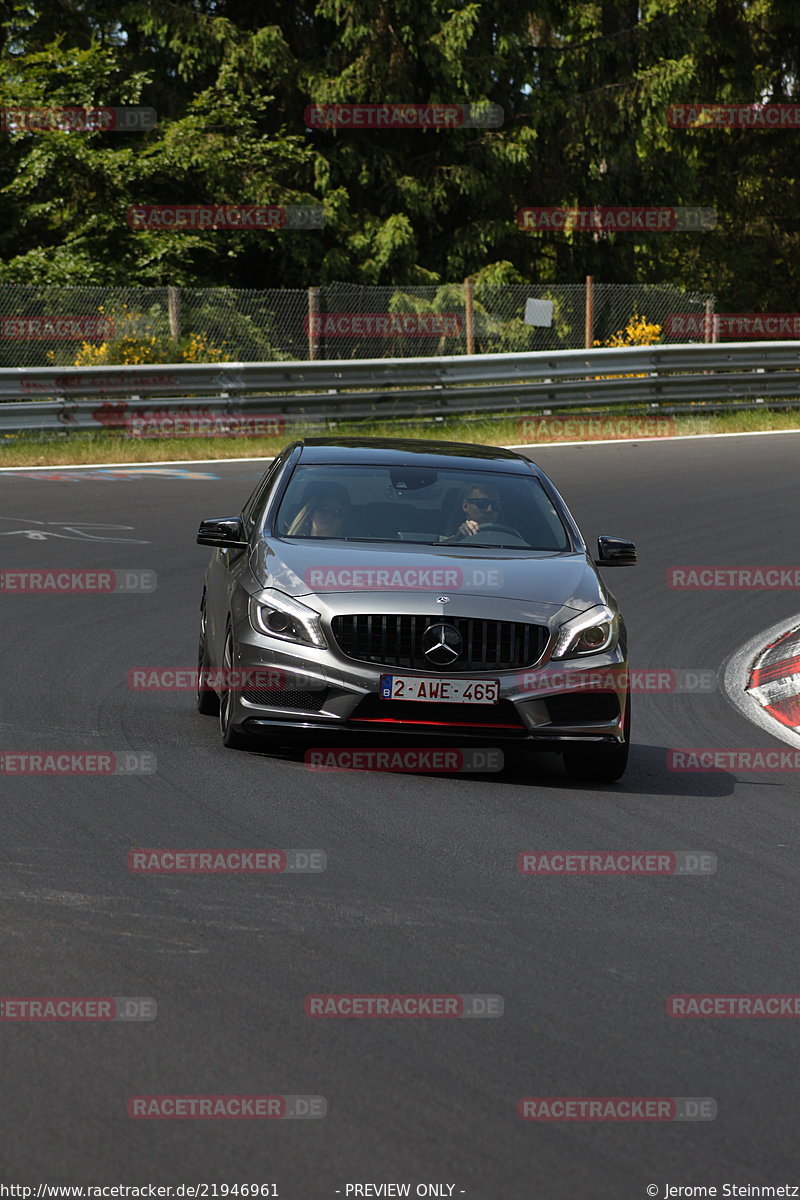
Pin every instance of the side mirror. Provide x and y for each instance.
(222, 531)
(615, 552)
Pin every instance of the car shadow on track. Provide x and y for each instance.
(647, 773)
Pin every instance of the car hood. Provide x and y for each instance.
(549, 580)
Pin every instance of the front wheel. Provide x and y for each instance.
(230, 736)
(600, 764)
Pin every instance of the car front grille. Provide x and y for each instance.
(396, 641)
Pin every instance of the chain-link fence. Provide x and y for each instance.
(40, 326)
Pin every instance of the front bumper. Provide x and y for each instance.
(318, 692)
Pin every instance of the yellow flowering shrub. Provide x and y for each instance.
(638, 332)
(136, 342)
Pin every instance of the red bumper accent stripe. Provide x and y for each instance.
(442, 724)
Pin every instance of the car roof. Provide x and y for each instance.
(409, 451)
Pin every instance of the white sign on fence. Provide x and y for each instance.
(538, 312)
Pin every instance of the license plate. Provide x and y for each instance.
(456, 691)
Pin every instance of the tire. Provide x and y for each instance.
(600, 764)
(230, 736)
(207, 700)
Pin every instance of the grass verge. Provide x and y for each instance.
(24, 450)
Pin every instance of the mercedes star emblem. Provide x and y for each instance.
(441, 644)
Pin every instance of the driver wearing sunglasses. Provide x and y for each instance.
(481, 506)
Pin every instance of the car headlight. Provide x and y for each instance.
(590, 633)
(280, 616)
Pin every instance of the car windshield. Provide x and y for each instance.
(420, 505)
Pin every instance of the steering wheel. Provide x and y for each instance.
(493, 527)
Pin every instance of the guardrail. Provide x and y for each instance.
(655, 376)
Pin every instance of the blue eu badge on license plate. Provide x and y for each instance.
(386, 687)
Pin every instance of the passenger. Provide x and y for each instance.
(324, 513)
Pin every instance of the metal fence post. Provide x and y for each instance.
(469, 316)
(589, 333)
(313, 310)
(711, 324)
(174, 310)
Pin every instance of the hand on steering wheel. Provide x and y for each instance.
(471, 528)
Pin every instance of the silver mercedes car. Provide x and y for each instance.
(433, 589)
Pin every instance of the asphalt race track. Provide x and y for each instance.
(421, 892)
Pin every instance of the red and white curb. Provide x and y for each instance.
(775, 679)
(762, 680)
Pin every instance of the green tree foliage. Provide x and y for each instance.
(584, 88)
